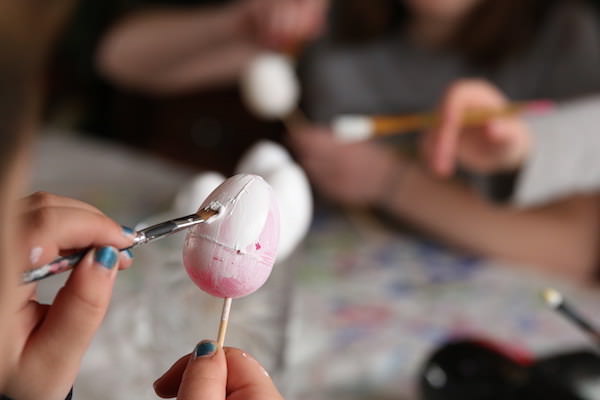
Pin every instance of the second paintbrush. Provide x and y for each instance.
(354, 128)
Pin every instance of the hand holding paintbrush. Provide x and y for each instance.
(501, 143)
(475, 126)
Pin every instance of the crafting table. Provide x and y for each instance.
(352, 314)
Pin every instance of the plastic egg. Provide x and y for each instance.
(269, 86)
(233, 255)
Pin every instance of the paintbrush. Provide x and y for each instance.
(555, 300)
(143, 236)
(353, 128)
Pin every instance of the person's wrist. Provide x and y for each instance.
(239, 17)
(521, 152)
(392, 182)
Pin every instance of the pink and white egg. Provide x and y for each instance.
(233, 254)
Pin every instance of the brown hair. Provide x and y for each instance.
(494, 30)
(27, 28)
(490, 33)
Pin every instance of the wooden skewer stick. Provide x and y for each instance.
(224, 321)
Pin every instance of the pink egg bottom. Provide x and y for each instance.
(225, 272)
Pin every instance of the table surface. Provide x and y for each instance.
(352, 314)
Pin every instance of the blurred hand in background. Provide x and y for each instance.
(285, 24)
(497, 145)
(354, 174)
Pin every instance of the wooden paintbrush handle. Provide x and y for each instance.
(384, 125)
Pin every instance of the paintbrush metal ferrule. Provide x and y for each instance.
(162, 229)
(555, 299)
(143, 236)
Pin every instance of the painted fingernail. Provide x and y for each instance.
(106, 256)
(205, 348)
(128, 253)
(127, 231)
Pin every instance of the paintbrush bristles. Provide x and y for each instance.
(207, 213)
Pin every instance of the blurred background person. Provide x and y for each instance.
(415, 54)
(161, 75)
(166, 49)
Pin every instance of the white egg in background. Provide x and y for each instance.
(196, 191)
(290, 186)
(269, 86)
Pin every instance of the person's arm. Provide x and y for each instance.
(554, 153)
(561, 236)
(565, 156)
(167, 50)
(170, 50)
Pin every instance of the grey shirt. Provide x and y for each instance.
(392, 75)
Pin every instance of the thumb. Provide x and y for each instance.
(496, 130)
(205, 377)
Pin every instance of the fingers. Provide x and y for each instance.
(441, 143)
(313, 142)
(52, 230)
(55, 349)
(167, 385)
(39, 200)
(247, 379)
(286, 24)
(205, 375)
(512, 141)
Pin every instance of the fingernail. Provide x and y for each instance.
(35, 254)
(127, 231)
(106, 256)
(205, 348)
(128, 253)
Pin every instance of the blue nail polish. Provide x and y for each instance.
(127, 231)
(205, 348)
(128, 253)
(106, 256)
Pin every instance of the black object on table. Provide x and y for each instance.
(471, 369)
